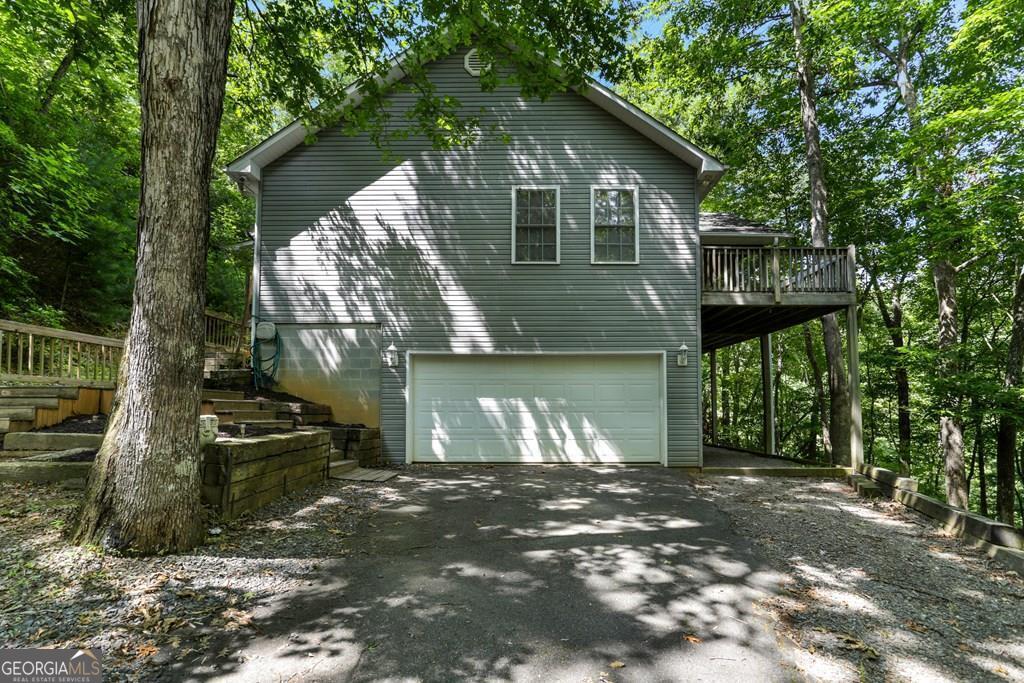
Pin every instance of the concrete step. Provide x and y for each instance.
(274, 424)
(341, 466)
(221, 405)
(38, 392)
(29, 402)
(18, 412)
(864, 486)
(236, 416)
(50, 441)
(215, 394)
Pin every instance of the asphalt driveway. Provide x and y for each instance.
(526, 573)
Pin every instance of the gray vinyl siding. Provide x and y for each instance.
(421, 244)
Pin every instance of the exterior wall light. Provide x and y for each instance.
(682, 358)
(391, 356)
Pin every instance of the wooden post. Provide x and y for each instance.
(853, 362)
(714, 397)
(768, 394)
(776, 283)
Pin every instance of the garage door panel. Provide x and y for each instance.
(602, 408)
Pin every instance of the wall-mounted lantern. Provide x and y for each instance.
(391, 356)
(683, 356)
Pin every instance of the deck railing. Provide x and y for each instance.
(35, 353)
(223, 331)
(778, 270)
(32, 352)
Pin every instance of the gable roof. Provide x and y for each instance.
(246, 169)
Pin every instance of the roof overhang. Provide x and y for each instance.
(246, 170)
(747, 238)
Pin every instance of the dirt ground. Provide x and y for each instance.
(144, 612)
(875, 591)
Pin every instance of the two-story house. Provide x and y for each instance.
(530, 298)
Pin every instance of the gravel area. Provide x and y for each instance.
(145, 612)
(874, 591)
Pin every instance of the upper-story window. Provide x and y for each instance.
(614, 218)
(535, 225)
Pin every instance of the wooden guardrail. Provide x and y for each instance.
(778, 270)
(35, 353)
(31, 352)
(223, 331)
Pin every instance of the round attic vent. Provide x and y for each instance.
(473, 63)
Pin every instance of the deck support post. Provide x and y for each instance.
(853, 362)
(714, 397)
(768, 394)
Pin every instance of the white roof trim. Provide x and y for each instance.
(246, 169)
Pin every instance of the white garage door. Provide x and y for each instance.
(536, 408)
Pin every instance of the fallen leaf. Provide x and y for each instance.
(914, 626)
(617, 664)
(852, 643)
(690, 638)
(146, 650)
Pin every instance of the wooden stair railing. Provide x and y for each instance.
(32, 353)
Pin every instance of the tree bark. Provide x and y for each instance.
(894, 324)
(1010, 410)
(951, 437)
(951, 430)
(839, 391)
(821, 418)
(144, 493)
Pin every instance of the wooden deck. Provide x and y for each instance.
(748, 292)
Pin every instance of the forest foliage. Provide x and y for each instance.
(921, 104)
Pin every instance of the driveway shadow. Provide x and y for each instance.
(525, 573)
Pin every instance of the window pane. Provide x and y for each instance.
(550, 253)
(626, 210)
(549, 199)
(629, 252)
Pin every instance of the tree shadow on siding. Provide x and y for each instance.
(422, 246)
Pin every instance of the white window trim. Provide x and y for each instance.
(636, 225)
(558, 225)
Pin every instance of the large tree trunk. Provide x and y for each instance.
(951, 430)
(839, 391)
(820, 414)
(144, 492)
(951, 433)
(894, 324)
(1010, 413)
